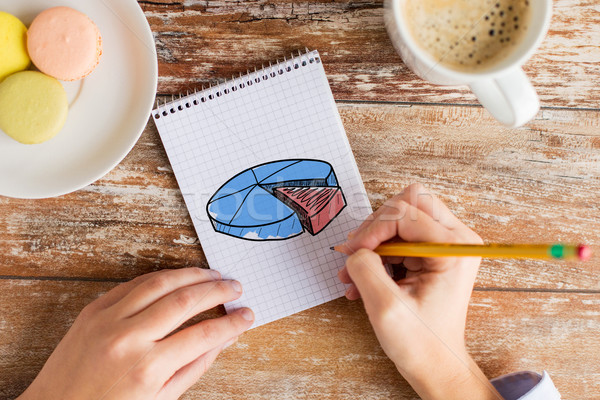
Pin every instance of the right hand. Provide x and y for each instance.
(420, 319)
(122, 345)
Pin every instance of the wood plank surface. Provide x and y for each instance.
(537, 183)
(534, 184)
(328, 352)
(201, 42)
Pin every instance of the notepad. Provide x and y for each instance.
(270, 181)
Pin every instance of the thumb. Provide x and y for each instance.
(377, 289)
(187, 376)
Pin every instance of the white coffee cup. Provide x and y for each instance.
(504, 89)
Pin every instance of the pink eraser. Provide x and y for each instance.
(584, 252)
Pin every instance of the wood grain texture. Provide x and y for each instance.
(200, 42)
(330, 351)
(535, 184)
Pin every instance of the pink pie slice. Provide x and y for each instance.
(316, 207)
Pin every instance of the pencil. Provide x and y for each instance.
(491, 250)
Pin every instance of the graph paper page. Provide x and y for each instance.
(291, 116)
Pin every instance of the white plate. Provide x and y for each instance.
(108, 112)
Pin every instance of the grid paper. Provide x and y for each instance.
(213, 135)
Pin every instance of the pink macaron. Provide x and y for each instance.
(64, 43)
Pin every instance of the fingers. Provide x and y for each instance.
(402, 220)
(162, 317)
(396, 269)
(377, 289)
(187, 345)
(365, 224)
(407, 194)
(417, 195)
(343, 276)
(352, 293)
(160, 285)
(118, 292)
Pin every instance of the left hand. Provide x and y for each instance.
(122, 345)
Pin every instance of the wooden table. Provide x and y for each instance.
(537, 183)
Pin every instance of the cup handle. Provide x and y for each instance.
(511, 98)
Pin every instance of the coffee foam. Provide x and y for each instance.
(468, 35)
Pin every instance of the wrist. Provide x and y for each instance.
(36, 391)
(453, 374)
(27, 395)
(431, 356)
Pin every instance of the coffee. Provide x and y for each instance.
(467, 35)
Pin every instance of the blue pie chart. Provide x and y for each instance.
(247, 207)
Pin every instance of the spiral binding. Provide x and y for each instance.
(235, 84)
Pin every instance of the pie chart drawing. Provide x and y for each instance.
(277, 200)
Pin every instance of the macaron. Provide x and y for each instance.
(64, 43)
(13, 45)
(33, 107)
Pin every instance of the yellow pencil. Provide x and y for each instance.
(491, 250)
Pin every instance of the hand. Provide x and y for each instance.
(420, 319)
(119, 346)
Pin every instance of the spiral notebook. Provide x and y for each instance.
(270, 181)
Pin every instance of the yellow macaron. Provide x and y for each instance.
(33, 107)
(13, 45)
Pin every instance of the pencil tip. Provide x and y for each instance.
(332, 248)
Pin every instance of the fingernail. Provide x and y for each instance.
(349, 292)
(247, 314)
(344, 248)
(229, 343)
(351, 234)
(236, 286)
(214, 274)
